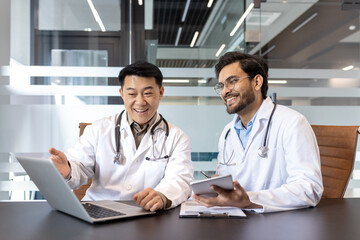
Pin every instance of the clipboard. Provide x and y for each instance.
(192, 209)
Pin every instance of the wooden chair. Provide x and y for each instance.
(337, 146)
(80, 193)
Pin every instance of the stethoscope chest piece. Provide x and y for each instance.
(263, 151)
(117, 159)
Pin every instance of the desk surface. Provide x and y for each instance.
(331, 219)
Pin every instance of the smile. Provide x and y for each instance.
(230, 99)
(140, 110)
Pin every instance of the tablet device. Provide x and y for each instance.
(202, 187)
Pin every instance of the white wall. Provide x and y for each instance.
(4, 60)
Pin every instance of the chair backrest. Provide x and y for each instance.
(80, 192)
(337, 146)
(82, 127)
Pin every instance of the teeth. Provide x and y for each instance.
(229, 99)
(138, 110)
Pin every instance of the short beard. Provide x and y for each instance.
(245, 100)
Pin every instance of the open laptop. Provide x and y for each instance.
(56, 191)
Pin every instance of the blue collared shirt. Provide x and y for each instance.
(244, 133)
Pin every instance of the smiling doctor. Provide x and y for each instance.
(135, 154)
(270, 150)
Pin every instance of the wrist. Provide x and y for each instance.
(68, 175)
(252, 205)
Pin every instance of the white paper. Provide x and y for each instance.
(191, 208)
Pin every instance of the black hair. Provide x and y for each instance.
(141, 69)
(251, 64)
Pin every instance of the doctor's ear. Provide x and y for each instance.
(121, 92)
(258, 79)
(161, 91)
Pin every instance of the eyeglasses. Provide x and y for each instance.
(229, 84)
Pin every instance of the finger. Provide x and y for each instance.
(204, 203)
(200, 198)
(54, 151)
(146, 205)
(140, 196)
(135, 197)
(155, 204)
(207, 202)
(237, 186)
(151, 201)
(149, 197)
(57, 155)
(194, 196)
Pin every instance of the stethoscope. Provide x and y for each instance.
(262, 151)
(117, 158)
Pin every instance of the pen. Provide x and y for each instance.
(205, 174)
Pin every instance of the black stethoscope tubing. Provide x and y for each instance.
(118, 134)
(264, 148)
(268, 125)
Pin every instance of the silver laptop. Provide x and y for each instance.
(56, 191)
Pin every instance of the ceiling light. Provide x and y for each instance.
(56, 81)
(241, 20)
(277, 81)
(304, 22)
(202, 81)
(185, 10)
(178, 36)
(268, 50)
(193, 41)
(210, 3)
(176, 81)
(220, 50)
(266, 18)
(348, 68)
(140, 2)
(96, 15)
(352, 27)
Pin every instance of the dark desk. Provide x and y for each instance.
(331, 219)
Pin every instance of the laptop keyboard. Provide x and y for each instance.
(100, 212)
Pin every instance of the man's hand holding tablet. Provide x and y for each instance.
(221, 191)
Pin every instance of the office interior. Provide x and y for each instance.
(59, 61)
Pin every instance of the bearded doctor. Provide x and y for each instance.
(135, 154)
(270, 150)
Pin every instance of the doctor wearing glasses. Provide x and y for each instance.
(136, 154)
(270, 150)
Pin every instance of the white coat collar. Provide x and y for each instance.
(262, 117)
(263, 112)
(265, 109)
(125, 124)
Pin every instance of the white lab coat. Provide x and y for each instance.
(94, 153)
(290, 177)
